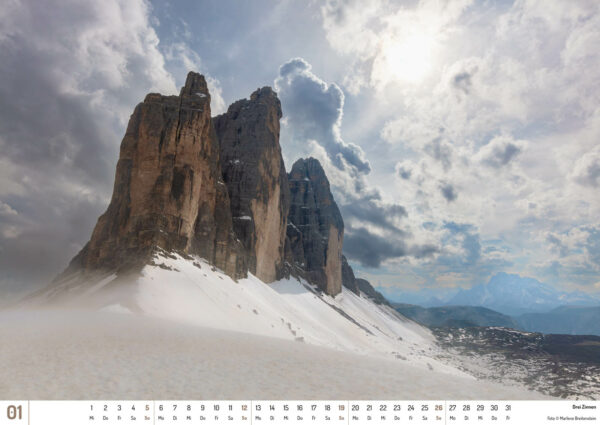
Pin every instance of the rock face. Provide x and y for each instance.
(168, 190)
(315, 228)
(348, 278)
(217, 187)
(358, 285)
(256, 180)
(366, 288)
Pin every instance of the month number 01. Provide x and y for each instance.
(14, 412)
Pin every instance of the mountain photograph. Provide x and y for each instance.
(333, 200)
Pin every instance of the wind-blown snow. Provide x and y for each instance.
(184, 329)
(193, 292)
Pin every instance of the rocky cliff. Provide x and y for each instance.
(315, 230)
(217, 187)
(256, 179)
(348, 278)
(358, 285)
(168, 189)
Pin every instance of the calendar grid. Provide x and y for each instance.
(297, 412)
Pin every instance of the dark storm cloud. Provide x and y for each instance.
(44, 128)
(64, 99)
(383, 216)
(314, 111)
(448, 192)
(371, 250)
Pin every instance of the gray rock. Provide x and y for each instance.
(348, 278)
(315, 228)
(256, 179)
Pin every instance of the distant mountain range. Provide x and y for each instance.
(568, 320)
(506, 293)
(572, 320)
(514, 295)
(508, 300)
(456, 316)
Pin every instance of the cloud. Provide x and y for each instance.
(384, 216)
(440, 150)
(314, 111)
(467, 238)
(500, 151)
(361, 204)
(555, 242)
(586, 171)
(404, 170)
(515, 129)
(389, 41)
(72, 72)
(371, 250)
(592, 246)
(463, 81)
(7, 210)
(448, 192)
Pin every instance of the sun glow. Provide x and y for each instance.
(409, 59)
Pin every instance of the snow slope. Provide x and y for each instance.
(287, 338)
(193, 292)
(83, 355)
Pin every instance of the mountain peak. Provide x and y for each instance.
(309, 168)
(216, 188)
(315, 227)
(265, 92)
(195, 84)
(513, 294)
(254, 172)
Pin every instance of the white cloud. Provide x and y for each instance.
(501, 151)
(501, 129)
(587, 169)
(7, 210)
(314, 111)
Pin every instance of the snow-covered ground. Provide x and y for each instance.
(183, 329)
(77, 355)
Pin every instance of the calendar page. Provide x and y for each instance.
(299, 212)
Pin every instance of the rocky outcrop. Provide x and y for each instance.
(256, 180)
(217, 187)
(315, 228)
(366, 288)
(168, 190)
(358, 285)
(348, 278)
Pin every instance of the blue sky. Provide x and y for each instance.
(461, 138)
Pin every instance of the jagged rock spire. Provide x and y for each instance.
(168, 190)
(315, 227)
(254, 172)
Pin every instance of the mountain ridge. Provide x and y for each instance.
(217, 188)
(513, 295)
